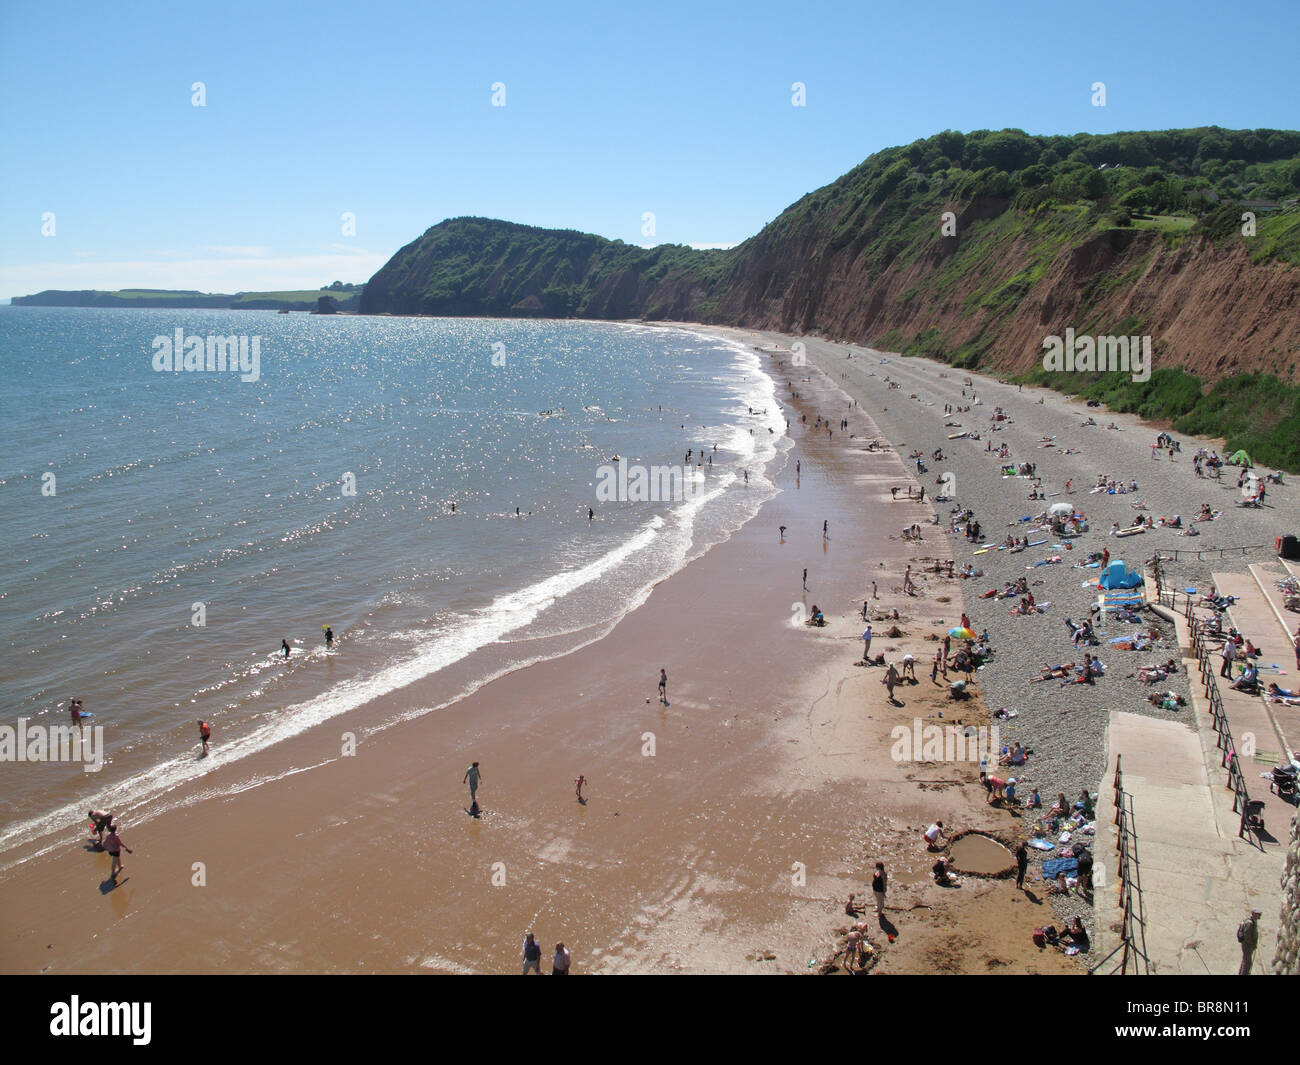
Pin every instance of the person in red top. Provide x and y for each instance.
(205, 733)
(114, 845)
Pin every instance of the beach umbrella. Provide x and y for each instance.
(961, 633)
(1240, 458)
(1060, 508)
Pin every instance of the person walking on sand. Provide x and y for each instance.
(205, 734)
(1022, 864)
(879, 885)
(663, 686)
(532, 955)
(805, 578)
(891, 681)
(114, 845)
(561, 962)
(473, 775)
(866, 644)
(578, 786)
(826, 529)
(1248, 937)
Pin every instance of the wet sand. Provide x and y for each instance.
(770, 792)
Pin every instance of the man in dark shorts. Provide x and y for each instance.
(663, 686)
(205, 733)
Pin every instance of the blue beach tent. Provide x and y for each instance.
(1118, 575)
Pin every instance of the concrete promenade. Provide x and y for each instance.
(1198, 878)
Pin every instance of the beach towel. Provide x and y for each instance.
(1054, 867)
(1117, 600)
(1042, 845)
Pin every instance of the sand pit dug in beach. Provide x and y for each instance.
(980, 855)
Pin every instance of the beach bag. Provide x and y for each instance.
(1040, 938)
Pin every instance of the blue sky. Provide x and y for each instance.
(612, 110)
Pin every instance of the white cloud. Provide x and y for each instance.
(239, 251)
(237, 274)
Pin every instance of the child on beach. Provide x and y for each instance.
(114, 845)
(99, 824)
(473, 775)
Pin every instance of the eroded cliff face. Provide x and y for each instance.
(1008, 281)
(1208, 310)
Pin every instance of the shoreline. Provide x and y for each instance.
(773, 753)
(680, 863)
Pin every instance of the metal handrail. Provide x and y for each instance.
(1133, 919)
(1225, 743)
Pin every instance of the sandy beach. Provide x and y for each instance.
(722, 833)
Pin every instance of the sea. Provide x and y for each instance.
(421, 486)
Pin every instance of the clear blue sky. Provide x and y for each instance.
(682, 109)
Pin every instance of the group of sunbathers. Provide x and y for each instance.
(1069, 673)
(1025, 606)
(1285, 696)
(1113, 487)
(1167, 700)
(1157, 672)
(1081, 633)
(1212, 598)
(1137, 641)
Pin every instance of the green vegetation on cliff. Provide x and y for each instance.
(1256, 412)
(965, 247)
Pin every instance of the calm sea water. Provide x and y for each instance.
(176, 495)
